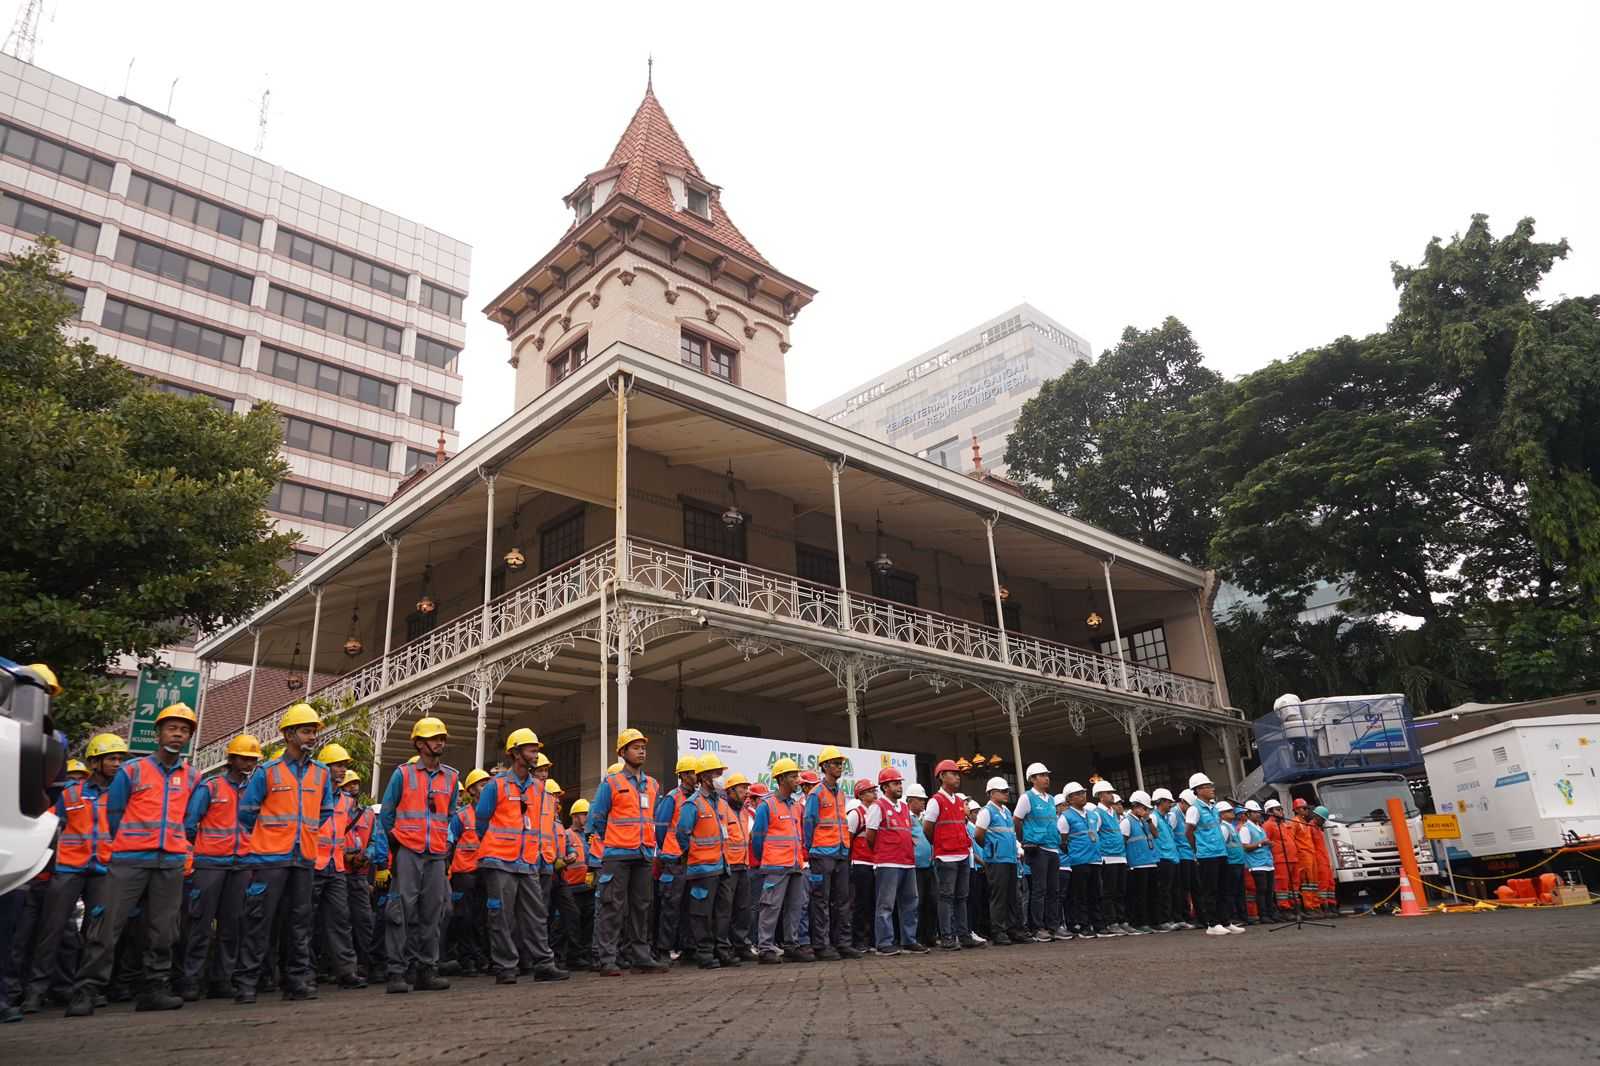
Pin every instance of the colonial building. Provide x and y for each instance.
(655, 539)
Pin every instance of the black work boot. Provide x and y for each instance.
(81, 1005)
(428, 980)
(158, 997)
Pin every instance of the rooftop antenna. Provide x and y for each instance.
(127, 80)
(24, 36)
(171, 89)
(261, 121)
(650, 72)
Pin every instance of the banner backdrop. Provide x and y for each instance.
(754, 756)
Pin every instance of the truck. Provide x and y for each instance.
(1521, 791)
(1351, 754)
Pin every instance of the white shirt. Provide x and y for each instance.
(984, 818)
(875, 821)
(1192, 815)
(930, 815)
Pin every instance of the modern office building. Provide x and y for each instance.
(214, 273)
(973, 385)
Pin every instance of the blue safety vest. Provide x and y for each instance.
(922, 847)
(1039, 827)
(1180, 834)
(1111, 842)
(1141, 848)
(1231, 845)
(1166, 842)
(1083, 848)
(1261, 858)
(1207, 832)
(1000, 839)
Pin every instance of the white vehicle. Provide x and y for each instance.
(1528, 785)
(1358, 829)
(31, 760)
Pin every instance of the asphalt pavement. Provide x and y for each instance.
(1512, 986)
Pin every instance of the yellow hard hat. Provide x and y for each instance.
(105, 744)
(828, 754)
(735, 779)
(580, 807)
(709, 763)
(74, 766)
(428, 727)
(784, 766)
(414, 758)
(177, 710)
(332, 753)
(300, 714)
(553, 787)
(474, 777)
(48, 676)
(245, 744)
(522, 736)
(687, 764)
(542, 760)
(628, 736)
(614, 768)
(349, 777)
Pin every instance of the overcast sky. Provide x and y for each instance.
(1250, 169)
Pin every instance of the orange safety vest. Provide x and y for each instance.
(630, 824)
(781, 849)
(360, 834)
(465, 860)
(153, 818)
(290, 819)
(509, 836)
(735, 841)
(85, 836)
(330, 838)
(422, 817)
(670, 849)
(705, 839)
(577, 870)
(831, 830)
(219, 835)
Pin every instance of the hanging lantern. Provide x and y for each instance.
(425, 602)
(979, 760)
(514, 558)
(733, 518)
(294, 682)
(352, 642)
(1094, 621)
(881, 563)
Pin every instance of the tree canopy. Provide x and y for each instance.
(132, 518)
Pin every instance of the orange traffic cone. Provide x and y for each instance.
(1408, 900)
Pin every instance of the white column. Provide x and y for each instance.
(624, 667)
(250, 689)
(200, 704)
(316, 628)
(388, 617)
(1138, 764)
(1116, 630)
(622, 522)
(1016, 734)
(1205, 639)
(1230, 757)
(994, 577)
(482, 701)
(488, 572)
(605, 683)
(852, 709)
(838, 539)
(378, 737)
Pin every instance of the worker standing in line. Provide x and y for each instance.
(330, 889)
(740, 947)
(1301, 844)
(1162, 915)
(863, 878)
(1186, 894)
(1272, 824)
(671, 904)
(561, 905)
(1035, 817)
(701, 841)
(996, 837)
(1080, 831)
(580, 879)
(1235, 912)
(826, 836)
(778, 852)
(468, 927)
(145, 806)
(927, 881)
(945, 819)
(1063, 901)
(890, 832)
(621, 816)
(1113, 861)
(221, 875)
(1139, 835)
(416, 818)
(540, 952)
(365, 851)
(1327, 888)
(1258, 863)
(1203, 826)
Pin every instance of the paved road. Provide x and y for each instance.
(1480, 988)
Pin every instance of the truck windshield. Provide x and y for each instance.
(1364, 801)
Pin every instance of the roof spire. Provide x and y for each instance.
(650, 73)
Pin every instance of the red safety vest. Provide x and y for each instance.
(782, 850)
(861, 851)
(360, 834)
(736, 842)
(153, 818)
(705, 839)
(422, 817)
(219, 835)
(670, 849)
(468, 845)
(330, 837)
(630, 824)
(950, 829)
(85, 837)
(291, 814)
(831, 829)
(896, 844)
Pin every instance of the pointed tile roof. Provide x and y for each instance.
(649, 144)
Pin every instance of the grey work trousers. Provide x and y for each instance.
(783, 896)
(622, 920)
(418, 890)
(739, 910)
(330, 894)
(519, 926)
(674, 906)
(271, 889)
(829, 884)
(896, 889)
(161, 889)
(60, 897)
(358, 892)
(953, 878)
(216, 894)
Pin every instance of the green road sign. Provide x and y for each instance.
(160, 688)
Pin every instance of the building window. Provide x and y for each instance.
(158, 327)
(584, 205)
(1013, 614)
(436, 353)
(335, 443)
(326, 257)
(433, 409)
(897, 585)
(296, 561)
(42, 221)
(699, 201)
(184, 269)
(817, 565)
(569, 359)
(443, 301)
(705, 532)
(325, 377)
(335, 320)
(55, 157)
(1146, 646)
(221, 403)
(322, 505)
(561, 540)
(708, 357)
(75, 295)
(206, 214)
(946, 453)
(416, 457)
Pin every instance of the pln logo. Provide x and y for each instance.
(1564, 787)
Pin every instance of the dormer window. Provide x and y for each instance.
(584, 204)
(699, 202)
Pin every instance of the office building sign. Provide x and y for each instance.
(947, 404)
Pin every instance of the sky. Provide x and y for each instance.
(1250, 168)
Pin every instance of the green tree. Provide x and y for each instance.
(1102, 441)
(132, 518)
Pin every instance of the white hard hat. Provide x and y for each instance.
(1288, 699)
(1115, 798)
(1036, 768)
(1100, 786)
(997, 784)
(1224, 805)
(1072, 786)
(916, 792)
(1061, 799)
(1140, 797)
(1196, 780)
(1251, 805)
(1187, 795)
(972, 804)
(1270, 804)
(1161, 794)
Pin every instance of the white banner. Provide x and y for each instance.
(754, 756)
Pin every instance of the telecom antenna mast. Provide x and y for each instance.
(24, 36)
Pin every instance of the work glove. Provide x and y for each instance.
(383, 878)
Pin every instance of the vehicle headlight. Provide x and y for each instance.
(1346, 854)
